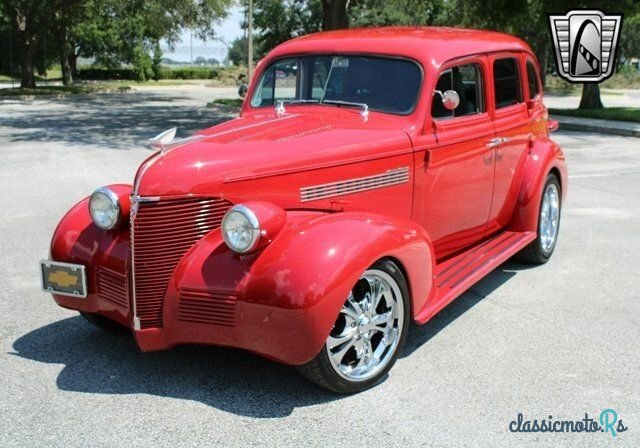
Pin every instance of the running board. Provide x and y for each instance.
(454, 276)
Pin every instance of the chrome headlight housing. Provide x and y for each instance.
(240, 229)
(104, 207)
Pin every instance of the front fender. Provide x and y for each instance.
(77, 240)
(545, 155)
(288, 295)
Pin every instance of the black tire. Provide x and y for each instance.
(104, 323)
(320, 370)
(534, 253)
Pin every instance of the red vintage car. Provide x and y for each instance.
(372, 176)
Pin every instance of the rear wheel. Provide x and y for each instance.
(541, 249)
(104, 323)
(367, 335)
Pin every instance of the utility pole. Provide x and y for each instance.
(250, 41)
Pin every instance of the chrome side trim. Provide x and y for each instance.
(391, 177)
(138, 199)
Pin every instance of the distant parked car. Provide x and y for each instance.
(384, 175)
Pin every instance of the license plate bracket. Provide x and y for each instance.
(65, 279)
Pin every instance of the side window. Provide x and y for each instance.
(280, 82)
(466, 80)
(506, 82)
(533, 80)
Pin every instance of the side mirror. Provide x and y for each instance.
(450, 98)
(242, 90)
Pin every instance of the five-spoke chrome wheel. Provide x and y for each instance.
(366, 334)
(549, 217)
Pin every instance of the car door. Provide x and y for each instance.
(512, 128)
(456, 176)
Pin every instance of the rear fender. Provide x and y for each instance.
(545, 155)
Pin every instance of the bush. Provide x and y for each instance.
(189, 73)
(103, 74)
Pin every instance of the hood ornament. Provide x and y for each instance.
(166, 140)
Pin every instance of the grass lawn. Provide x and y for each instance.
(61, 90)
(608, 113)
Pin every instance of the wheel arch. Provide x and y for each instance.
(293, 289)
(545, 156)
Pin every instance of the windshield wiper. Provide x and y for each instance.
(364, 108)
(299, 101)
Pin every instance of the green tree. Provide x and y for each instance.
(277, 21)
(396, 12)
(238, 51)
(528, 19)
(28, 20)
(630, 39)
(127, 32)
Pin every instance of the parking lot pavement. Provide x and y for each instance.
(560, 340)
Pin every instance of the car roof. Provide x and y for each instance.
(432, 46)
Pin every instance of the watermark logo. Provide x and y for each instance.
(608, 422)
(585, 44)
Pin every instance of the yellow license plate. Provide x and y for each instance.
(66, 279)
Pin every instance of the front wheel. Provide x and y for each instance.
(367, 335)
(541, 249)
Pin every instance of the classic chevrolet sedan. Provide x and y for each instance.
(372, 176)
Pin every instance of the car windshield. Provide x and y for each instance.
(383, 84)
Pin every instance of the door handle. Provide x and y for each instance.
(494, 142)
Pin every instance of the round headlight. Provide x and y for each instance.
(240, 229)
(104, 208)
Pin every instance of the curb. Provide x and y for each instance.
(593, 126)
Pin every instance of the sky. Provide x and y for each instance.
(228, 30)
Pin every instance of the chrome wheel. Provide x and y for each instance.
(367, 331)
(549, 217)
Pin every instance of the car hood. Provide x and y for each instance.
(266, 145)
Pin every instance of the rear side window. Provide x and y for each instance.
(466, 80)
(506, 82)
(532, 78)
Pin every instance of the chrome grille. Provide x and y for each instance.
(161, 233)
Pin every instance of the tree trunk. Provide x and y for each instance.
(334, 14)
(27, 81)
(543, 59)
(591, 97)
(63, 48)
(73, 64)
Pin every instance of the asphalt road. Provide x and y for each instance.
(560, 340)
